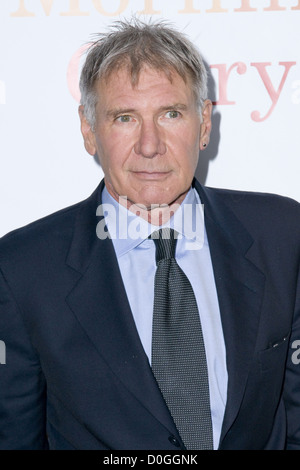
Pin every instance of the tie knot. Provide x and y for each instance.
(165, 240)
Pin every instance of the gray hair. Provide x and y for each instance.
(133, 44)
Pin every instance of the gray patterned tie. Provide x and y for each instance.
(178, 353)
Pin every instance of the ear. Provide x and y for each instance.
(87, 133)
(205, 128)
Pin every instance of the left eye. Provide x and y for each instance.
(124, 118)
(172, 114)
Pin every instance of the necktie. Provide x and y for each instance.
(178, 353)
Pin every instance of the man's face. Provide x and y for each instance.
(148, 137)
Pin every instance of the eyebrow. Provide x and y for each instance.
(113, 113)
(117, 111)
(177, 106)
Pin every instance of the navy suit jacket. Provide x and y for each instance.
(76, 375)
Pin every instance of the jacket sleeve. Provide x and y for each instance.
(292, 381)
(23, 390)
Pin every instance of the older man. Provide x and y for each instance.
(130, 320)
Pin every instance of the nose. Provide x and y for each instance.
(150, 140)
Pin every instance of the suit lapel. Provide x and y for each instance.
(101, 306)
(240, 286)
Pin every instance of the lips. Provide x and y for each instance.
(151, 175)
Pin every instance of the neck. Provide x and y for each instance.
(157, 215)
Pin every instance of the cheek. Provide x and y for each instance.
(185, 149)
(109, 153)
(115, 145)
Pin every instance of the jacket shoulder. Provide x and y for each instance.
(266, 214)
(30, 237)
(252, 197)
(257, 202)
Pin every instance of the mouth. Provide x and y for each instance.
(151, 175)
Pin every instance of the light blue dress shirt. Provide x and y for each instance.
(136, 258)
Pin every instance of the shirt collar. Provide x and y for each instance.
(127, 230)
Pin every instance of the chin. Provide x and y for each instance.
(156, 200)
